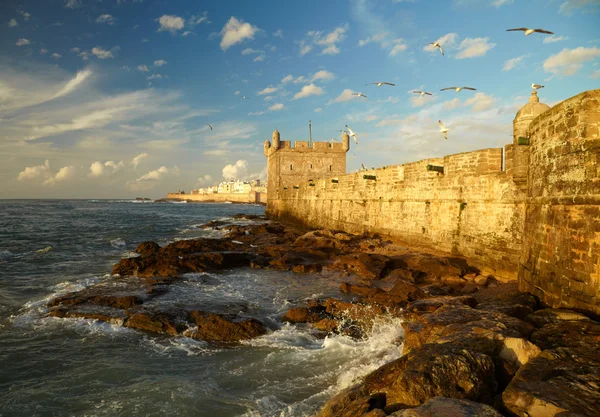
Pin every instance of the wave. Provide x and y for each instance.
(5, 254)
(117, 243)
(45, 250)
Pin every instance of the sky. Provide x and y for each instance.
(112, 98)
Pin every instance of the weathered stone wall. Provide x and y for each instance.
(251, 197)
(560, 260)
(473, 209)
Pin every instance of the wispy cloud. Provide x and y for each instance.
(22, 42)
(554, 38)
(12, 23)
(474, 47)
(513, 63)
(236, 31)
(326, 41)
(569, 61)
(571, 6)
(101, 53)
(267, 90)
(309, 90)
(170, 23)
(106, 18)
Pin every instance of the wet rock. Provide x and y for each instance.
(168, 322)
(449, 407)
(481, 280)
(554, 315)
(109, 315)
(362, 290)
(216, 328)
(568, 334)
(436, 267)
(303, 315)
(514, 310)
(354, 402)
(147, 248)
(325, 240)
(432, 371)
(406, 274)
(432, 304)
(100, 296)
(370, 266)
(469, 289)
(558, 382)
(117, 301)
(327, 325)
(357, 312)
(453, 280)
(307, 268)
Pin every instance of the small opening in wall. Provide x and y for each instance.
(310, 166)
(330, 167)
(290, 167)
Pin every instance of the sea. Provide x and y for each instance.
(75, 367)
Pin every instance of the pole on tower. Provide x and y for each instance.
(310, 133)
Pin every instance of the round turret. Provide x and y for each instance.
(266, 147)
(276, 138)
(527, 113)
(345, 141)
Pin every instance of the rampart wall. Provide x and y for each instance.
(251, 197)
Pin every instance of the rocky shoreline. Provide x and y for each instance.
(472, 346)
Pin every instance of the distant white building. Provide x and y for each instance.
(237, 187)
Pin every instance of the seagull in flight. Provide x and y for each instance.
(363, 167)
(351, 133)
(437, 45)
(530, 31)
(422, 92)
(536, 86)
(359, 95)
(457, 89)
(244, 97)
(443, 129)
(209, 126)
(380, 83)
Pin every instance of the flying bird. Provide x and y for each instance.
(379, 84)
(244, 97)
(443, 129)
(437, 45)
(359, 95)
(363, 167)
(422, 92)
(530, 31)
(536, 86)
(457, 89)
(209, 126)
(351, 133)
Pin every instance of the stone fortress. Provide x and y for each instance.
(530, 213)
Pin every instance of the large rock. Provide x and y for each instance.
(568, 333)
(111, 316)
(147, 248)
(157, 321)
(554, 315)
(304, 315)
(435, 370)
(354, 402)
(559, 382)
(449, 407)
(369, 266)
(217, 328)
(434, 266)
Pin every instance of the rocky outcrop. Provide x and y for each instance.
(354, 402)
(449, 407)
(217, 328)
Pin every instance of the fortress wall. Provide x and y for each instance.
(560, 262)
(473, 209)
(251, 197)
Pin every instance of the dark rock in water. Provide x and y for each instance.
(449, 407)
(117, 317)
(354, 402)
(434, 266)
(169, 322)
(514, 310)
(559, 382)
(435, 370)
(407, 275)
(554, 315)
(303, 315)
(99, 296)
(147, 248)
(432, 304)
(568, 334)
(362, 290)
(216, 328)
(123, 302)
(370, 266)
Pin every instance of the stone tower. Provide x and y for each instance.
(521, 129)
(289, 165)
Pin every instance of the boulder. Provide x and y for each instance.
(558, 382)
(217, 328)
(434, 266)
(370, 266)
(514, 310)
(554, 315)
(362, 290)
(431, 304)
(303, 315)
(568, 333)
(147, 248)
(113, 317)
(406, 274)
(449, 407)
(435, 370)
(167, 322)
(354, 402)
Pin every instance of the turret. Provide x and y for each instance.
(345, 141)
(276, 139)
(266, 147)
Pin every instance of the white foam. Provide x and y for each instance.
(45, 250)
(5, 254)
(126, 255)
(117, 243)
(288, 337)
(191, 347)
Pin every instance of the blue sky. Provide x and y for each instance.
(111, 98)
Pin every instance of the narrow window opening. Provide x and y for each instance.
(330, 167)
(290, 167)
(310, 166)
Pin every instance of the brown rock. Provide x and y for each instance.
(568, 334)
(559, 382)
(366, 265)
(303, 315)
(117, 301)
(405, 274)
(113, 317)
(431, 304)
(147, 248)
(354, 402)
(514, 310)
(171, 323)
(307, 268)
(362, 290)
(216, 328)
(453, 280)
(448, 407)
(554, 315)
(481, 280)
(435, 267)
(357, 312)
(327, 325)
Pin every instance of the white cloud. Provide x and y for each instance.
(554, 38)
(346, 95)
(102, 53)
(237, 93)
(217, 152)
(569, 6)
(63, 174)
(206, 179)
(278, 34)
(498, 3)
(35, 172)
(318, 110)
(143, 68)
(22, 42)
(305, 48)
(569, 61)
(480, 102)
(419, 101)
(160, 63)
(323, 75)
(512, 63)
(196, 20)
(249, 51)
(72, 4)
(399, 46)
(377, 38)
(43, 51)
(138, 159)
(154, 175)
(269, 98)
(474, 47)
(268, 90)
(327, 41)
(56, 56)
(309, 90)
(13, 23)
(105, 18)
(26, 16)
(259, 58)
(150, 179)
(330, 50)
(186, 33)
(99, 169)
(256, 113)
(170, 23)
(448, 41)
(371, 118)
(276, 107)
(156, 77)
(236, 31)
(290, 78)
(451, 105)
(236, 171)
(73, 84)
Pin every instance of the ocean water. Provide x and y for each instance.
(68, 367)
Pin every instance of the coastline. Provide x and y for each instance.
(467, 337)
